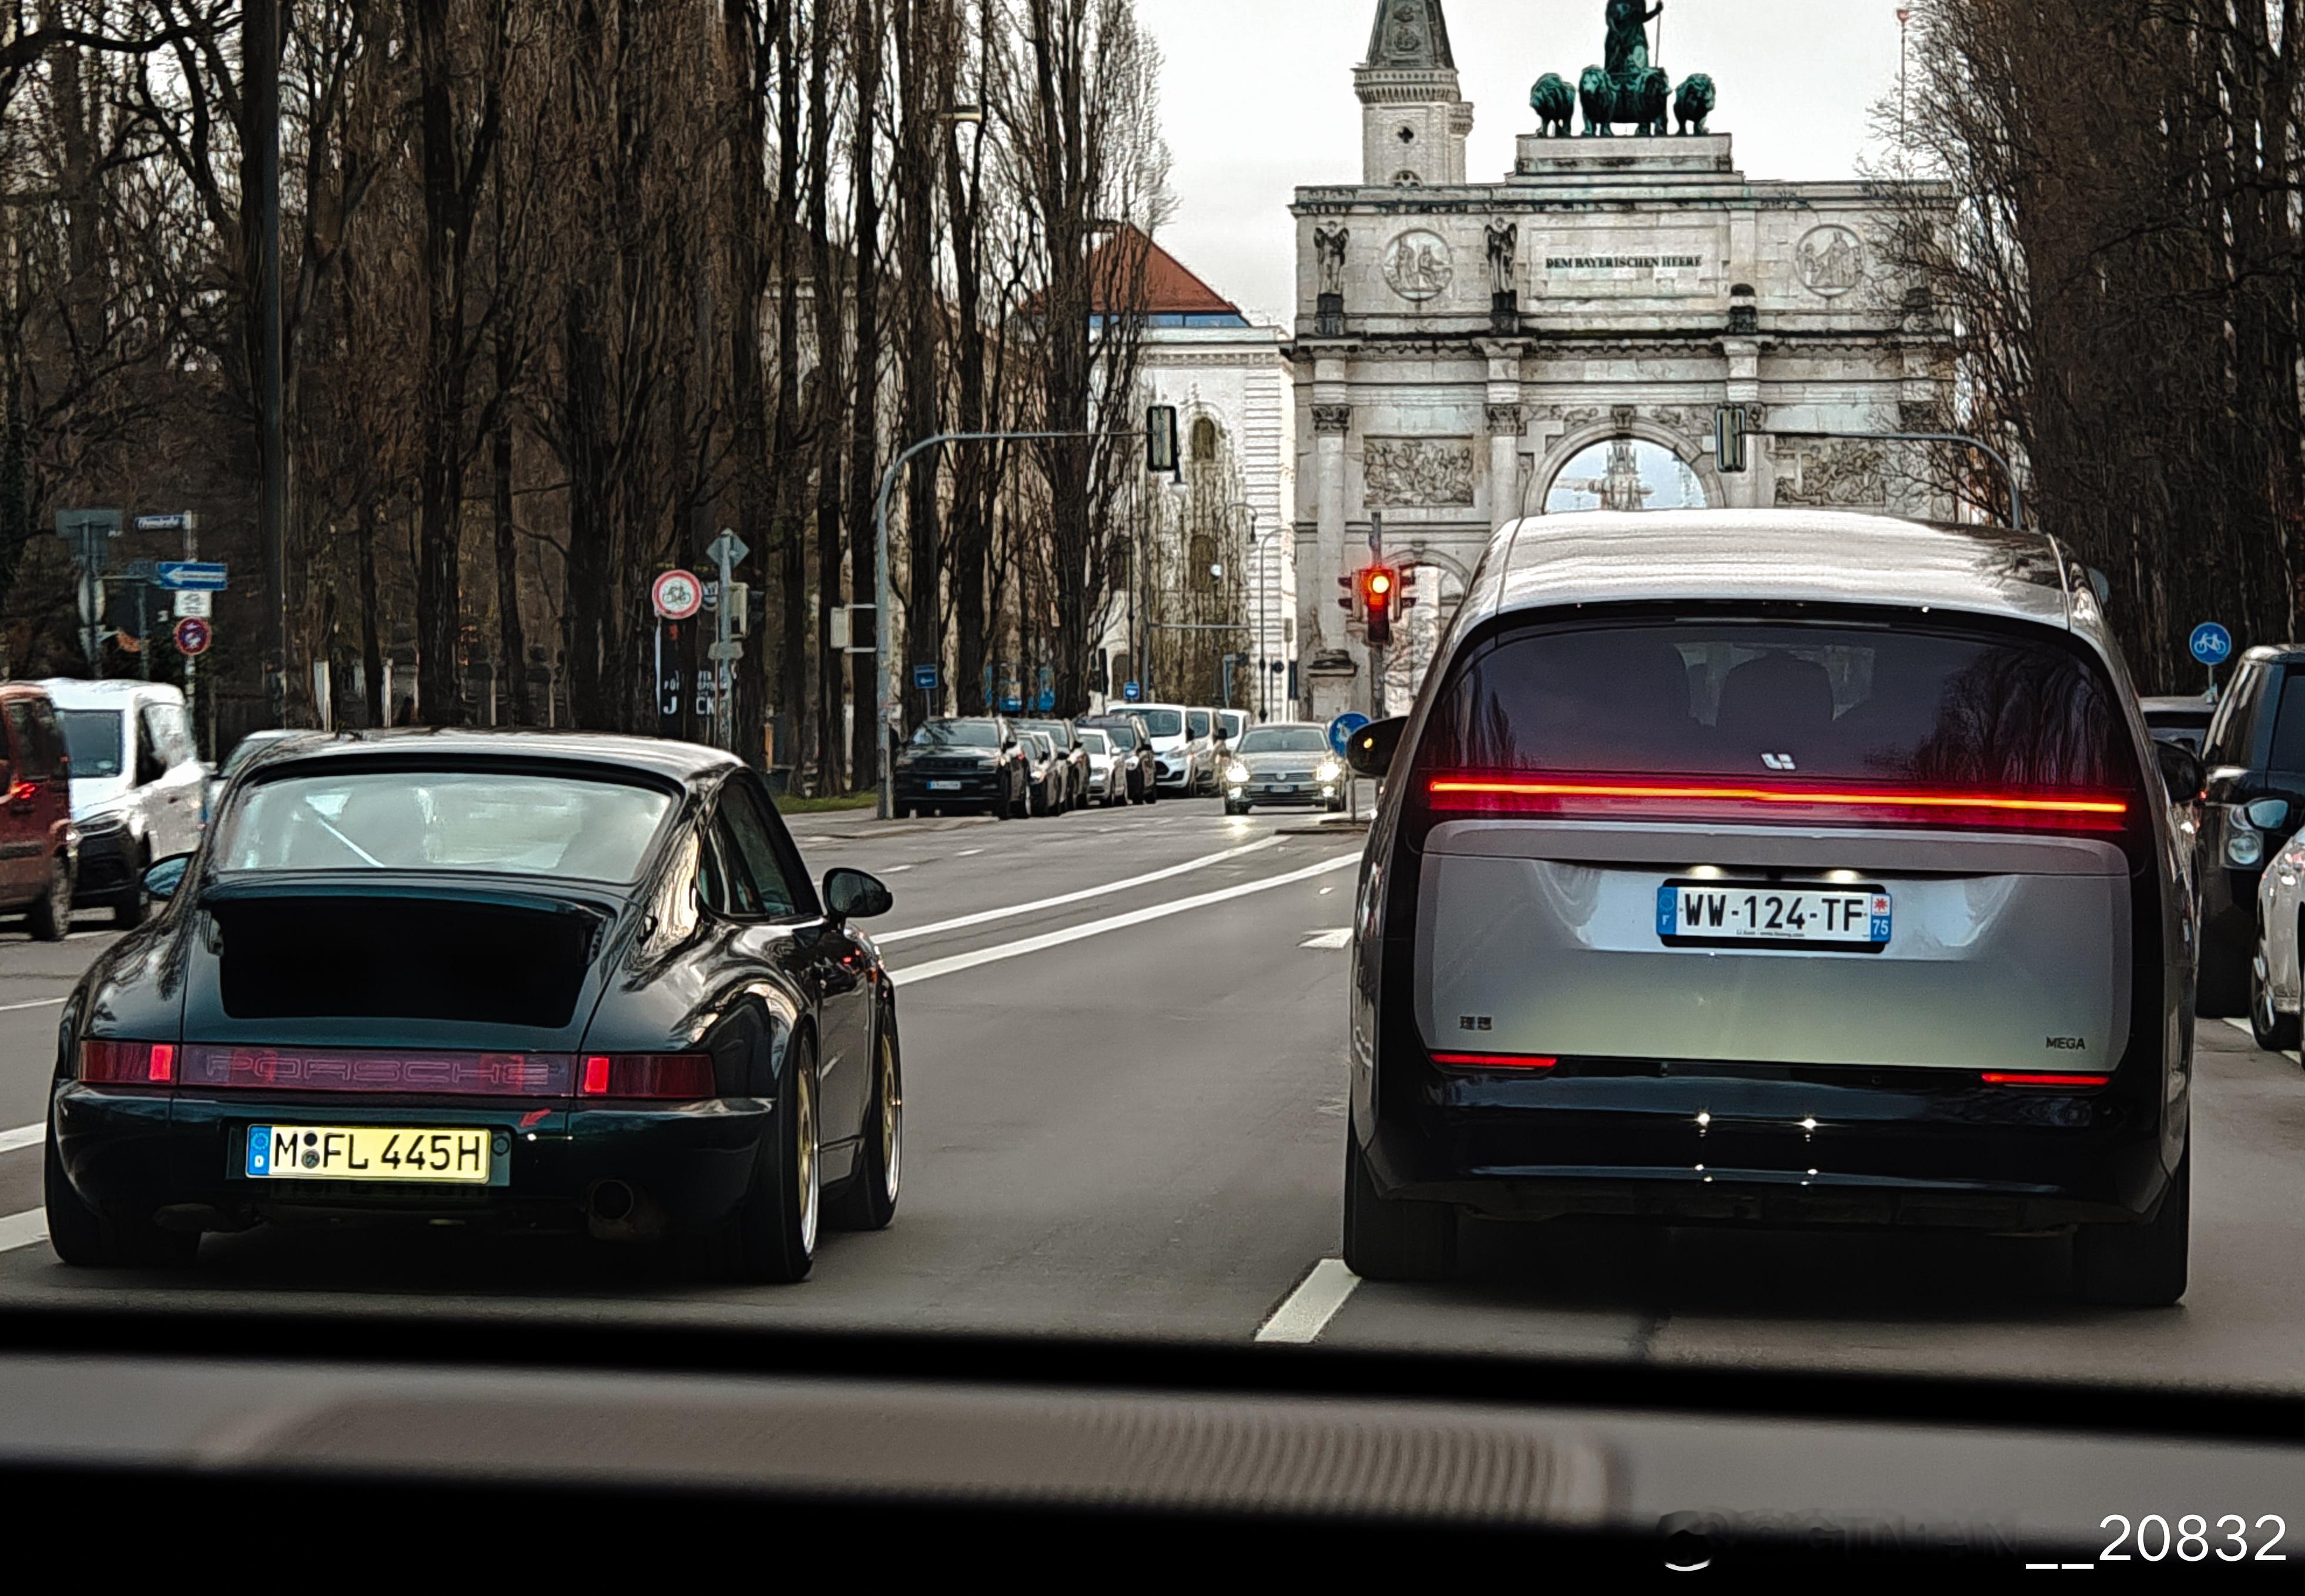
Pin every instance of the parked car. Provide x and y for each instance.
(1065, 737)
(401, 953)
(962, 766)
(1201, 726)
(2184, 721)
(1176, 761)
(138, 786)
(1234, 724)
(2252, 800)
(1049, 785)
(1134, 744)
(39, 847)
(1290, 763)
(243, 752)
(2276, 985)
(1698, 892)
(1109, 767)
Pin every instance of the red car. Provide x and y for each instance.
(36, 842)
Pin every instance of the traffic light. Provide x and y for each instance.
(1730, 423)
(1407, 592)
(1160, 440)
(1351, 602)
(1380, 602)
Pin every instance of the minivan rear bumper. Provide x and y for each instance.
(1772, 1146)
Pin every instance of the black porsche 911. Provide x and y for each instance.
(511, 979)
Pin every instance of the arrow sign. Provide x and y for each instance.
(728, 549)
(1341, 730)
(196, 575)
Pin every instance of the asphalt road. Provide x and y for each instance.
(1124, 1115)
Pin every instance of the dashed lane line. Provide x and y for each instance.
(23, 1135)
(989, 916)
(1340, 938)
(25, 1229)
(10, 1008)
(1306, 1311)
(1031, 945)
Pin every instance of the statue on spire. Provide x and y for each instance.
(1629, 38)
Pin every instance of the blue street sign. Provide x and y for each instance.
(2212, 644)
(1012, 705)
(199, 576)
(1341, 730)
(1133, 692)
(924, 678)
(1048, 701)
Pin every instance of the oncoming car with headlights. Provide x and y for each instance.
(1288, 763)
(498, 979)
(1778, 868)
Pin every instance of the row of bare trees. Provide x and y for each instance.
(2120, 266)
(570, 286)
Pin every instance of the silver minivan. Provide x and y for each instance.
(1774, 868)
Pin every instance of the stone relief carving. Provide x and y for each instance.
(1578, 417)
(1505, 421)
(1417, 265)
(1329, 251)
(1336, 418)
(1834, 475)
(1831, 261)
(1419, 473)
(1504, 248)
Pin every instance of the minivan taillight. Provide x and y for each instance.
(684, 1077)
(128, 1064)
(1614, 797)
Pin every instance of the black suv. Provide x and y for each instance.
(952, 767)
(2252, 799)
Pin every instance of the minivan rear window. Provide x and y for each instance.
(1751, 700)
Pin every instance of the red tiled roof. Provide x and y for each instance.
(1130, 266)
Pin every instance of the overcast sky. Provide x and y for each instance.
(1257, 96)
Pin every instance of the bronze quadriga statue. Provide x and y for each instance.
(1627, 88)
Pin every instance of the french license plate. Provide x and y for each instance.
(1766, 911)
(944, 786)
(368, 1152)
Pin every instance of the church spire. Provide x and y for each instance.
(1411, 36)
(1414, 118)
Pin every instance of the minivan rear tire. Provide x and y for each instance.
(1387, 1238)
(2140, 1265)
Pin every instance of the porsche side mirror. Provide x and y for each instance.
(1370, 751)
(852, 895)
(166, 878)
(2182, 772)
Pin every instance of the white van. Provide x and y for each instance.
(1179, 752)
(137, 785)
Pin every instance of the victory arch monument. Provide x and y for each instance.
(1467, 353)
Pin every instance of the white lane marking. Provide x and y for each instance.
(23, 1135)
(968, 853)
(10, 1008)
(1117, 922)
(1342, 937)
(1306, 1311)
(1109, 888)
(2243, 1026)
(22, 1230)
(895, 869)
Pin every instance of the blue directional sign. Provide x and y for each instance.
(1048, 701)
(1341, 730)
(2212, 643)
(198, 576)
(1012, 705)
(924, 678)
(1133, 692)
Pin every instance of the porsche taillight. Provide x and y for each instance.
(108, 1063)
(683, 1077)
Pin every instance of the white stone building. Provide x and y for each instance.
(1461, 346)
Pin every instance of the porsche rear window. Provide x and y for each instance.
(480, 821)
(1729, 698)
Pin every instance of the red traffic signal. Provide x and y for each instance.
(1380, 602)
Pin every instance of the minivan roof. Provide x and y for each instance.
(114, 692)
(1780, 556)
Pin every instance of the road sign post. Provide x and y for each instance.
(727, 550)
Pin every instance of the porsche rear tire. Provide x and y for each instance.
(1387, 1238)
(770, 1239)
(869, 1200)
(85, 1238)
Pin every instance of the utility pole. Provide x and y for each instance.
(259, 42)
(1905, 34)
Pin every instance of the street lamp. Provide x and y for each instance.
(1265, 572)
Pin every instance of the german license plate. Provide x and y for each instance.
(1766, 911)
(368, 1152)
(944, 786)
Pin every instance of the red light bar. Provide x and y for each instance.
(380, 1070)
(684, 1077)
(2094, 811)
(128, 1064)
(1493, 1061)
(1993, 1079)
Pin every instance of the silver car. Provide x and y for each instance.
(2276, 985)
(1772, 868)
(1288, 763)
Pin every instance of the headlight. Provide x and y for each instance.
(1329, 771)
(102, 824)
(1236, 773)
(2245, 849)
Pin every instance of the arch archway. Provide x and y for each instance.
(1572, 445)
